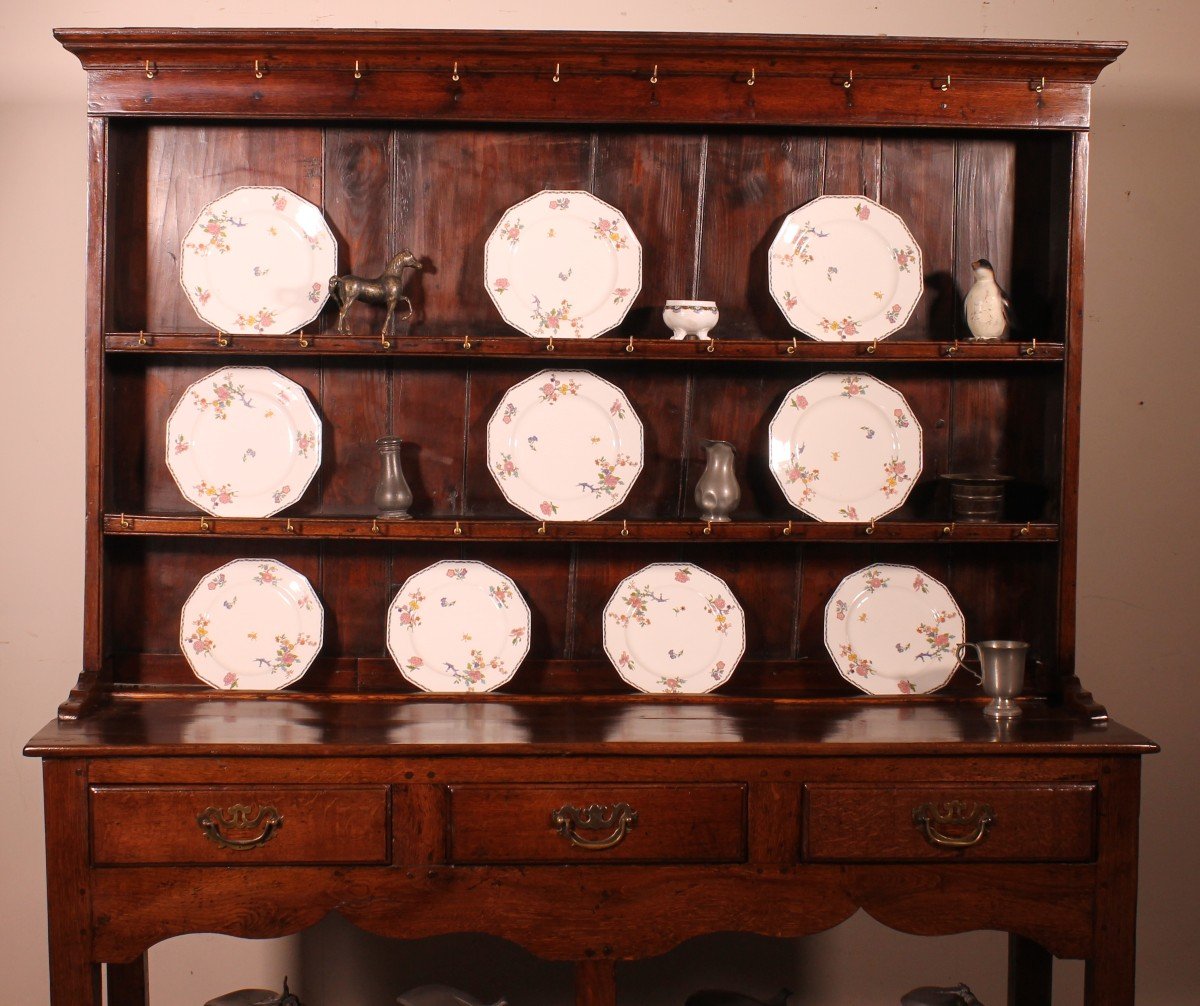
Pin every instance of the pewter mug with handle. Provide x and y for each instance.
(1001, 672)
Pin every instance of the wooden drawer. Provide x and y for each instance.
(869, 822)
(240, 824)
(689, 823)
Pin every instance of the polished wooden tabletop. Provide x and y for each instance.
(290, 725)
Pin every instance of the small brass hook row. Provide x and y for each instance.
(151, 69)
(849, 81)
(457, 528)
(259, 71)
(788, 530)
(454, 73)
(1030, 349)
(629, 345)
(375, 528)
(624, 529)
(126, 523)
(557, 73)
(550, 344)
(750, 80)
(791, 350)
(944, 85)
(654, 75)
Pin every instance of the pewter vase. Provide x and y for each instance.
(717, 492)
(393, 497)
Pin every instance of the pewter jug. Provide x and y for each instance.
(717, 492)
(393, 497)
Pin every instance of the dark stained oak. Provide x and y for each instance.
(780, 804)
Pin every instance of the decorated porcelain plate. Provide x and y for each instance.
(258, 259)
(676, 628)
(458, 627)
(243, 442)
(845, 269)
(253, 624)
(893, 630)
(563, 264)
(845, 447)
(565, 445)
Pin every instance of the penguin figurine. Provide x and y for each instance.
(986, 304)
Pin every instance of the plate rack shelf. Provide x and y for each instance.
(705, 142)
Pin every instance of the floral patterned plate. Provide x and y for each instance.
(563, 264)
(243, 442)
(458, 627)
(893, 630)
(845, 269)
(253, 624)
(845, 447)
(565, 445)
(258, 259)
(674, 628)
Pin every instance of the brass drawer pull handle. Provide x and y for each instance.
(969, 821)
(239, 817)
(618, 819)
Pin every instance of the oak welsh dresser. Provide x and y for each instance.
(780, 804)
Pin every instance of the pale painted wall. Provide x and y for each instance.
(1140, 420)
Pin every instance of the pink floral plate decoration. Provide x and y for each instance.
(845, 447)
(565, 445)
(258, 261)
(893, 630)
(243, 442)
(458, 626)
(563, 264)
(251, 625)
(845, 269)
(674, 628)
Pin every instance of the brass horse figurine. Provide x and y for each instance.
(383, 289)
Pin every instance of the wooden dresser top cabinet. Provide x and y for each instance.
(782, 802)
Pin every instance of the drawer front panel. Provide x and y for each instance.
(949, 821)
(230, 825)
(598, 823)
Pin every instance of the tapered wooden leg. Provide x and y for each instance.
(1108, 975)
(595, 983)
(74, 979)
(127, 983)
(1030, 973)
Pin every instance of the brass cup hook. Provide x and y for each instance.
(557, 73)
(1038, 85)
(870, 528)
(542, 528)
(624, 529)
(151, 69)
(751, 79)
(788, 530)
(458, 528)
(654, 75)
(849, 81)
(454, 73)
(303, 340)
(945, 84)
(550, 344)
(791, 350)
(357, 71)
(711, 347)
(629, 345)
(259, 71)
(222, 339)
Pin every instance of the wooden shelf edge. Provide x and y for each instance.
(465, 346)
(492, 529)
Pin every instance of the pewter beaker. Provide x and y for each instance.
(1001, 672)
